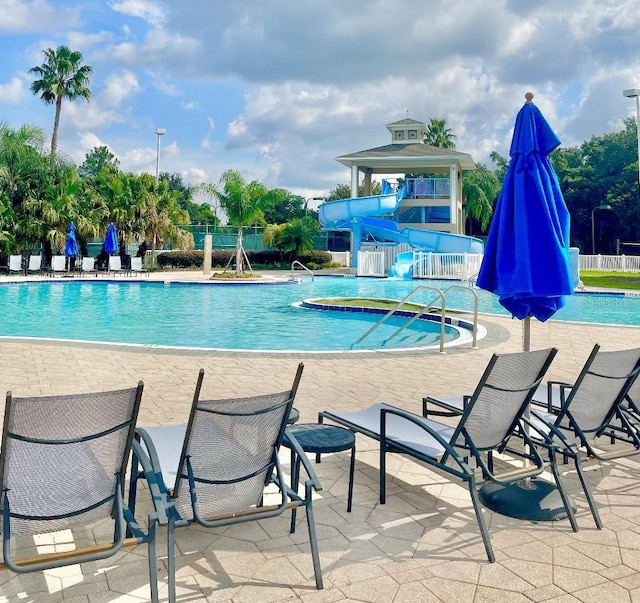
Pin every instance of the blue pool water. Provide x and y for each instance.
(248, 317)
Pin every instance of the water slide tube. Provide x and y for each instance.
(356, 214)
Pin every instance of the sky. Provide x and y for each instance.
(278, 89)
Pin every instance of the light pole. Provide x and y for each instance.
(593, 225)
(635, 93)
(159, 132)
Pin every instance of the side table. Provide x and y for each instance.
(318, 439)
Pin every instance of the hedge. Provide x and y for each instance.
(220, 259)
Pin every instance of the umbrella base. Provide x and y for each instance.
(540, 501)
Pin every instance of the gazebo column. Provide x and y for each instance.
(453, 196)
(356, 230)
(367, 182)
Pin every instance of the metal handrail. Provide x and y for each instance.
(475, 308)
(298, 263)
(439, 295)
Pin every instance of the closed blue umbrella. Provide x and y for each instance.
(526, 258)
(71, 247)
(111, 240)
(526, 263)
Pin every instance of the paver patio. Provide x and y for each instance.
(423, 545)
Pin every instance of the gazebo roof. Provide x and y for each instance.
(406, 157)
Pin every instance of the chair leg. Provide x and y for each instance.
(383, 475)
(313, 540)
(171, 558)
(480, 519)
(587, 493)
(352, 467)
(295, 481)
(563, 494)
(153, 561)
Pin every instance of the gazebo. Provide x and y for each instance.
(432, 203)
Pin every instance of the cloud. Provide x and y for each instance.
(152, 12)
(13, 92)
(17, 16)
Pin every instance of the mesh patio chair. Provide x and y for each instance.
(35, 264)
(591, 418)
(88, 266)
(62, 467)
(136, 267)
(115, 265)
(15, 265)
(214, 470)
(58, 265)
(489, 420)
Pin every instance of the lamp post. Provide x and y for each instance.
(159, 132)
(593, 225)
(635, 93)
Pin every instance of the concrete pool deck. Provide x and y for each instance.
(423, 545)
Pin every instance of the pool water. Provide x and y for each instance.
(250, 317)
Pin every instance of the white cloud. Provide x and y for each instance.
(35, 16)
(150, 11)
(13, 92)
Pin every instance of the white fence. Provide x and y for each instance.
(341, 257)
(610, 263)
(460, 266)
(371, 263)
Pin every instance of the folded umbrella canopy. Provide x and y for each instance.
(71, 247)
(111, 240)
(526, 258)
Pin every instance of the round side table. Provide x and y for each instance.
(318, 439)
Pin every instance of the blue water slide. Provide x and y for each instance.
(357, 214)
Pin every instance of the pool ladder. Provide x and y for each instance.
(297, 263)
(439, 295)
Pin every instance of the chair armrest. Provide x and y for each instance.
(450, 410)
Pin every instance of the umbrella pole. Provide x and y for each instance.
(526, 334)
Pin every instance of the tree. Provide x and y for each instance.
(480, 188)
(280, 206)
(62, 76)
(98, 160)
(343, 191)
(438, 135)
(242, 202)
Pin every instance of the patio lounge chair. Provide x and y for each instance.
(62, 467)
(136, 267)
(592, 420)
(15, 265)
(35, 264)
(490, 418)
(213, 471)
(58, 265)
(88, 266)
(115, 265)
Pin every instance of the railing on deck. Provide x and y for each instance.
(610, 263)
(459, 266)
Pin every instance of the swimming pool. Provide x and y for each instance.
(248, 317)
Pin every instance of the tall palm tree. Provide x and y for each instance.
(480, 188)
(62, 75)
(438, 135)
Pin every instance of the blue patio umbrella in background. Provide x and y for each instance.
(71, 247)
(111, 240)
(526, 263)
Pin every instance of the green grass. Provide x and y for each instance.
(363, 302)
(611, 280)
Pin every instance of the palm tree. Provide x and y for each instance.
(480, 187)
(438, 135)
(242, 202)
(61, 76)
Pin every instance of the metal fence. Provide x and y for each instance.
(459, 266)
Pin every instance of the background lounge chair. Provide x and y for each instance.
(35, 264)
(490, 419)
(115, 265)
(136, 267)
(58, 265)
(15, 265)
(88, 266)
(213, 471)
